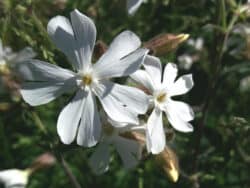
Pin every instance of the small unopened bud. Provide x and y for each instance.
(169, 161)
(43, 161)
(4, 69)
(164, 43)
(21, 9)
(60, 4)
(100, 49)
(134, 136)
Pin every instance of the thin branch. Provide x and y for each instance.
(212, 88)
(58, 155)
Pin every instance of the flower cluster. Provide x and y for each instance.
(80, 120)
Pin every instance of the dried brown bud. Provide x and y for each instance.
(164, 43)
(100, 49)
(169, 161)
(135, 136)
(60, 4)
(43, 161)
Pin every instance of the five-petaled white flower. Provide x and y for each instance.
(10, 59)
(128, 149)
(133, 5)
(14, 178)
(161, 89)
(80, 118)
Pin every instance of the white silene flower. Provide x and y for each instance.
(162, 88)
(9, 59)
(14, 178)
(80, 118)
(133, 5)
(128, 150)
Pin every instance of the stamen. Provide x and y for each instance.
(161, 97)
(87, 79)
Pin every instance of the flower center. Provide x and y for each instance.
(87, 80)
(161, 97)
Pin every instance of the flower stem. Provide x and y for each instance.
(58, 154)
(217, 70)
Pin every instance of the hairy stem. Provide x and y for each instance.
(58, 154)
(218, 64)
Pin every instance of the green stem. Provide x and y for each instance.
(218, 67)
(58, 154)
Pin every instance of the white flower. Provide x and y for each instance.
(133, 5)
(162, 88)
(11, 58)
(80, 118)
(14, 178)
(196, 43)
(129, 150)
(245, 84)
(186, 61)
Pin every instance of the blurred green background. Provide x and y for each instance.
(217, 155)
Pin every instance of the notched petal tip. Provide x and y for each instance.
(189, 80)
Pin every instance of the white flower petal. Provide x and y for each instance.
(170, 73)
(178, 120)
(24, 55)
(122, 67)
(155, 135)
(35, 70)
(38, 93)
(60, 31)
(14, 177)
(143, 78)
(122, 103)
(90, 127)
(181, 109)
(129, 151)
(112, 105)
(133, 5)
(182, 85)
(99, 160)
(69, 118)
(85, 35)
(122, 45)
(153, 67)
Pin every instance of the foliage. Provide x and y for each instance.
(216, 154)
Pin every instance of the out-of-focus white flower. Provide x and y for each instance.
(245, 8)
(245, 84)
(185, 61)
(162, 88)
(242, 29)
(15, 178)
(133, 5)
(240, 45)
(129, 150)
(80, 118)
(196, 43)
(10, 59)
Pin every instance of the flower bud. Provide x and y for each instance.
(169, 161)
(43, 161)
(164, 43)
